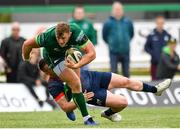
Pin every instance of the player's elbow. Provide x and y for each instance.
(26, 45)
(30, 43)
(93, 55)
(26, 42)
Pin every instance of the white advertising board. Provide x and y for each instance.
(171, 97)
(17, 98)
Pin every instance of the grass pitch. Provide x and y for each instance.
(132, 117)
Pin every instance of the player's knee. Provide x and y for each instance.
(126, 82)
(123, 103)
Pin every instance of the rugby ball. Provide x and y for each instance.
(73, 54)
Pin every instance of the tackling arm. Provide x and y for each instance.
(27, 48)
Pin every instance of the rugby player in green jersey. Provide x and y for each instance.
(56, 40)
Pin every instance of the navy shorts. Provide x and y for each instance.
(91, 81)
(98, 83)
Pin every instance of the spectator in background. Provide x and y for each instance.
(117, 33)
(11, 52)
(79, 18)
(169, 62)
(29, 74)
(156, 40)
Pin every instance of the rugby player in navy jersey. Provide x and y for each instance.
(100, 83)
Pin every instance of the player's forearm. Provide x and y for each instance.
(90, 54)
(87, 58)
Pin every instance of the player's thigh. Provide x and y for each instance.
(67, 75)
(77, 71)
(118, 81)
(72, 79)
(115, 101)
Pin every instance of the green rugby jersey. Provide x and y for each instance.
(53, 53)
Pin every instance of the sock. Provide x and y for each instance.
(109, 112)
(149, 88)
(86, 117)
(80, 103)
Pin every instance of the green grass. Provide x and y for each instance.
(132, 117)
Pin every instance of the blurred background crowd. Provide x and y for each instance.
(117, 32)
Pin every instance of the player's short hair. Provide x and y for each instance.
(62, 28)
(41, 64)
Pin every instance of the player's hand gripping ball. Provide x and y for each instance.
(74, 55)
